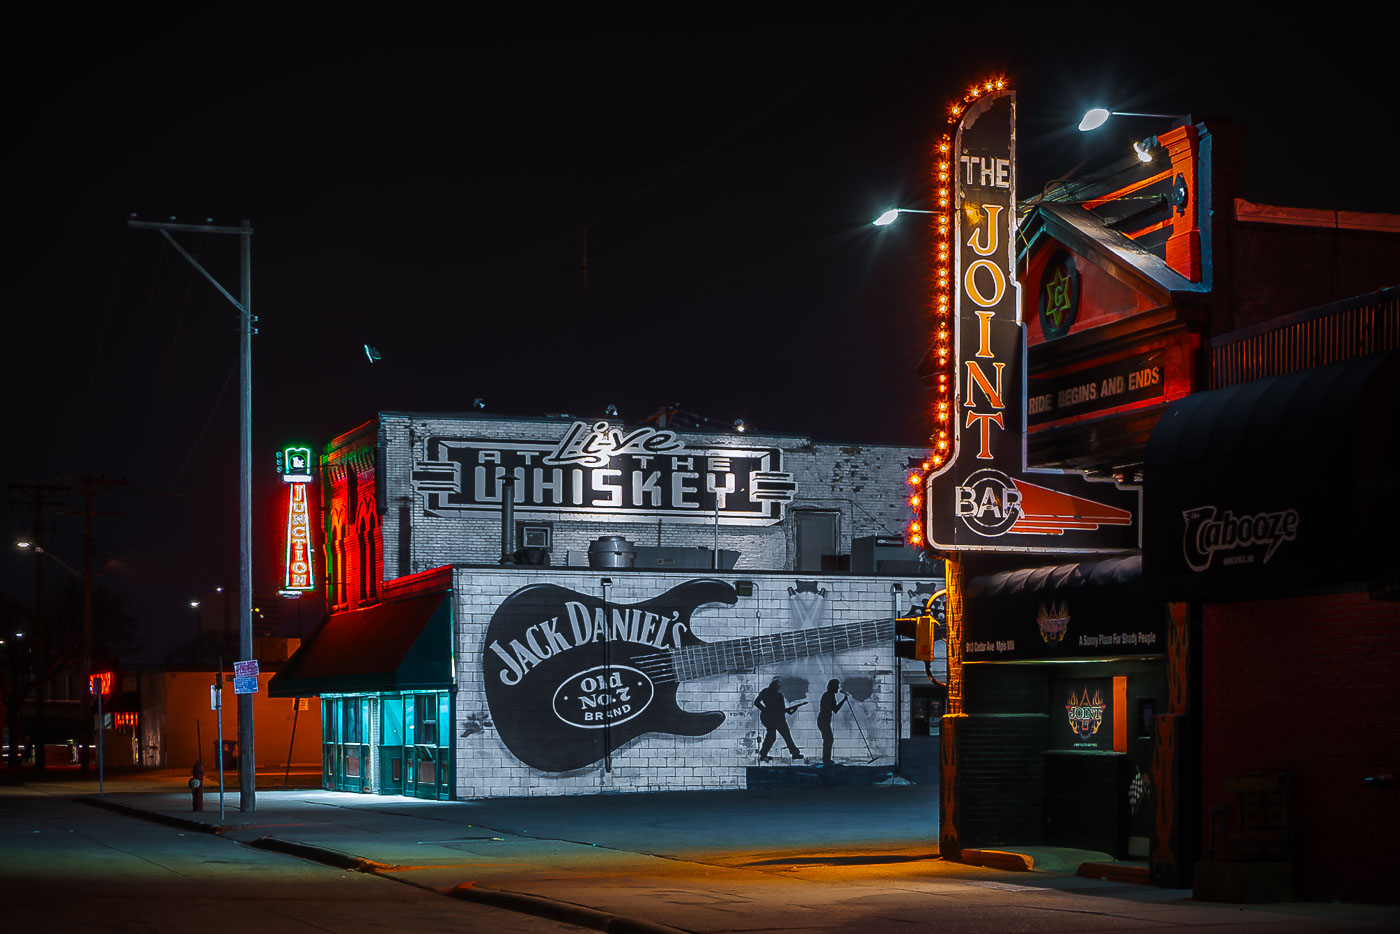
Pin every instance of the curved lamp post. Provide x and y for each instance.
(890, 216)
(1099, 116)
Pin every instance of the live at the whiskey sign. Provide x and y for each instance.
(596, 467)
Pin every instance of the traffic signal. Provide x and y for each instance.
(913, 637)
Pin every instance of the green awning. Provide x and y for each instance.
(403, 645)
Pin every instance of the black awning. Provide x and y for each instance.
(1062, 612)
(1124, 572)
(403, 645)
(1275, 487)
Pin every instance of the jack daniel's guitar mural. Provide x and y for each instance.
(569, 679)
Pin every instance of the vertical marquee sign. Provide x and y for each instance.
(294, 463)
(979, 494)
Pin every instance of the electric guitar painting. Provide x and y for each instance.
(570, 679)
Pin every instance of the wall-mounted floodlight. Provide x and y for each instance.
(739, 425)
(1099, 116)
(889, 217)
(1146, 149)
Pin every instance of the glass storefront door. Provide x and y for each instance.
(391, 751)
(346, 743)
(428, 748)
(388, 744)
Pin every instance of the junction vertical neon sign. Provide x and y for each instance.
(294, 463)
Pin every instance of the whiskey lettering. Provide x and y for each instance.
(598, 468)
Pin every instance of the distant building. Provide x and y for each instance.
(170, 713)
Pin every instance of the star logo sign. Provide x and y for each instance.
(1058, 297)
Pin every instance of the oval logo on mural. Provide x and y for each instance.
(605, 695)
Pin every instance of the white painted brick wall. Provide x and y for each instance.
(865, 728)
(863, 483)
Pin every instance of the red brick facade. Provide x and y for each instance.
(1308, 686)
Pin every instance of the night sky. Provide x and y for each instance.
(427, 185)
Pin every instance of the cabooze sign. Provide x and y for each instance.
(1243, 539)
(984, 498)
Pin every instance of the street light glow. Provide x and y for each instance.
(1093, 119)
(889, 217)
(1099, 116)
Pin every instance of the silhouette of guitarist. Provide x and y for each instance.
(772, 714)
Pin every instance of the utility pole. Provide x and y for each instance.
(247, 780)
(40, 656)
(247, 764)
(88, 487)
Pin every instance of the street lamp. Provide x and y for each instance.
(890, 216)
(41, 550)
(1098, 116)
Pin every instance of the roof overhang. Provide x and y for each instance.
(401, 645)
(1083, 233)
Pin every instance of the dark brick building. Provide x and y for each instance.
(1238, 358)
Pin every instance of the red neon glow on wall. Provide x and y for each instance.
(355, 560)
(100, 683)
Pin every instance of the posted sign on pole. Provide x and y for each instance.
(245, 677)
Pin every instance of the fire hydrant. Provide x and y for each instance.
(197, 786)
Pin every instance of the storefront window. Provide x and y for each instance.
(426, 721)
(389, 743)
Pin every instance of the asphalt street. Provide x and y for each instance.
(64, 866)
(834, 859)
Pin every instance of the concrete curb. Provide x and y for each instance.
(564, 912)
(998, 859)
(518, 902)
(1115, 872)
(184, 823)
(319, 854)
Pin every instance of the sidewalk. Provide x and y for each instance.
(824, 859)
